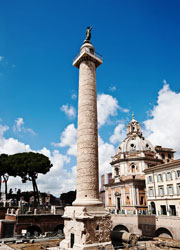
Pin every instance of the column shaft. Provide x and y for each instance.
(87, 144)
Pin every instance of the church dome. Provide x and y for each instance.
(135, 141)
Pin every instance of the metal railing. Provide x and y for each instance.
(94, 53)
(98, 55)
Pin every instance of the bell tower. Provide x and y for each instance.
(134, 127)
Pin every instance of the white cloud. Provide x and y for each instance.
(68, 138)
(57, 180)
(19, 126)
(69, 111)
(19, 123)
(164, 123)
(10, 145)
(112, 88)
(119, 133)
(124, 110)
(106, 150)
(107, 106)
(72, 149)
(1, 58)
(162, 128)
(3, 129)
(74, 96)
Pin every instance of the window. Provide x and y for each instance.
(148, 147)
(169, 156)
(159, 178)
(133, 168)
(163, 156)
(178, 188)
(127, 200)
(172, 210)
(168, 176)
(163, 210)
(151, 192)
(161, 190)
(170, 190)
(150, 179)
(132, 147)
(91, 51)
(72, 240)
(141, 200)
(97, 227)
(178, 173)
(153, 207)
(116, 171)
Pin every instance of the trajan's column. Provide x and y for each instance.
(87, 225)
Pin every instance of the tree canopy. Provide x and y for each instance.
(3, 164)
(68, 198)
(28, 165)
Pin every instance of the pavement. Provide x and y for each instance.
(5, 247)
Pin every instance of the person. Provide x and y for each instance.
(88, 33)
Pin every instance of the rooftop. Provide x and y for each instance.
(163, 166)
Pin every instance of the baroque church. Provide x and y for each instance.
(126, 190)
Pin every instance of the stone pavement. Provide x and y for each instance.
(53, 248)
(5, 247)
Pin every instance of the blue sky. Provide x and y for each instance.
(139, 42)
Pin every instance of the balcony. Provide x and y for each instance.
(94, 53)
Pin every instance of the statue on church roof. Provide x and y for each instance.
(88, 33)
(133, 116)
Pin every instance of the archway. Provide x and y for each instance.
(34, 230)
(120, 228)
(59, 229)
(163, 232)
(116, 234)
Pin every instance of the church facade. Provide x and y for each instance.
(126, 192)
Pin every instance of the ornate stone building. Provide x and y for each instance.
(135, 153)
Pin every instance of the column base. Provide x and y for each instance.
(86, 228)
(87, 202)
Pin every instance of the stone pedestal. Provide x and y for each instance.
(86, 228)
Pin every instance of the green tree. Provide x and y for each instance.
(28, 166)
(68, 198)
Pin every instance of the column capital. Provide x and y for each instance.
(87, 52)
